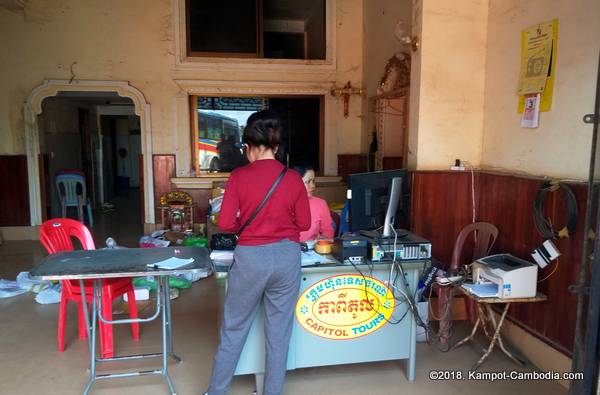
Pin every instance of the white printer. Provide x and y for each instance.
(514, 277)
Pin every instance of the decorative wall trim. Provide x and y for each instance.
(206, 182)
(183, 62)
(33, 107)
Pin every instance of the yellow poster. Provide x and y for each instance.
(538, 63)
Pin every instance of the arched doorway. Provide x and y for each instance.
(50, 88)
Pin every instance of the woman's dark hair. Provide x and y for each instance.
(302, 168)
(263, 128)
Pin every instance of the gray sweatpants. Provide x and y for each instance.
(270, 274)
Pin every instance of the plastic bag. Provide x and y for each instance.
(10, 288)
(151, 242)
(26, 282)
(49, 295)
(147, 281)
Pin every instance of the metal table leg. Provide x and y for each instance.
(91, 332)
(259, 379)
(163, 307)
(164, 285)
(169, 321)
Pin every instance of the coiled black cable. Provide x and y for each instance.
(543, 224)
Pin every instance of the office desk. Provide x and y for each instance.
(97, 265)
(321, 302)
(485, 314)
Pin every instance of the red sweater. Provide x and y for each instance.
(285, 214)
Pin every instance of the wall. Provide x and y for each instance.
(85, 40)
(60, 141)
(506, 200)
(380, 19)
(447, 106)
(560, 147)
(135, 41)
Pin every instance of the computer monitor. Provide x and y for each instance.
(378, 201)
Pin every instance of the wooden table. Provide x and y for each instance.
(486, 314)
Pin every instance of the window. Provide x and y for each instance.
(218, 124)
(275, 29)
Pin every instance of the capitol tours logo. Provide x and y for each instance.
(345, 307)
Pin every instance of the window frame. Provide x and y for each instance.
(191, 56)
(217, 54)
(193, 106)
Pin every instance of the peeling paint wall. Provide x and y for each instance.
(560, 147)
(448, 75)
(134, 41)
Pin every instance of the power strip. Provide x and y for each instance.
(458, 168)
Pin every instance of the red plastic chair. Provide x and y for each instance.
(55, 236)
(485, 235)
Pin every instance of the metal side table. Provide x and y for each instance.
(98, 265)
(485, 315)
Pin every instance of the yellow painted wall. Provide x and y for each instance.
(560, 147)
(349, 49)
(97, 40)
(448, 78)
(134, 41)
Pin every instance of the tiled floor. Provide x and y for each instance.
(30, 364)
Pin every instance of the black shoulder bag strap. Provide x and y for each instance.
(261, 205)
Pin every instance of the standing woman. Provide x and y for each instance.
(267, 257)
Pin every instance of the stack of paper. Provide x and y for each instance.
(482, 290)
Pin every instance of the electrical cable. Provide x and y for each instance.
(543, 224)
(550, 274)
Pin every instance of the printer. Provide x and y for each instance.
(514, 277)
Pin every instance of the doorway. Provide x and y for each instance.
(96, 135)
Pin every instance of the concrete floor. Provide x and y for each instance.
(30, 364)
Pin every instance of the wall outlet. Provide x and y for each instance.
(459, 168)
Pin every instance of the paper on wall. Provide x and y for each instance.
(531, 115)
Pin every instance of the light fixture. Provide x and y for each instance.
(412, 41)
(406, 39)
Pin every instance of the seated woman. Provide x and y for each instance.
(321, 224)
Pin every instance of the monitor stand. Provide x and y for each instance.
(377, 234)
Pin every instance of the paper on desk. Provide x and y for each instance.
(482, 290)
(311, 258)
(171, 263)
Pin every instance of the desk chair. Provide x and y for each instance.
(485, 235)
(72, 193)
(55, 236)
